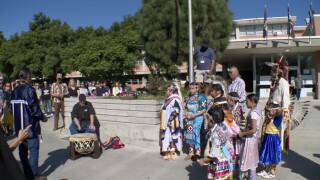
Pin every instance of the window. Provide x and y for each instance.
(262, 68)
(306, 64)
(250, 31)
(284, 28)
(277, 29)
(259, 30)
(292, 60)
(140, 62)
(243, 31)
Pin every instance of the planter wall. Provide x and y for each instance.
(136, 122)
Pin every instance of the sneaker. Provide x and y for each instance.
(269, 176)
(262, 173)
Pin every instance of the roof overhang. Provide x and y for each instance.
(257, 21)
(241, 52)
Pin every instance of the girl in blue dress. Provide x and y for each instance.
(196, 107)
(270, 152)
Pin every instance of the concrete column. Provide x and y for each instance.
(225, 70)
(317, 73)
(254, 74)
(237, 33)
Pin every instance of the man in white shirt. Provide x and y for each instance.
(237, 85)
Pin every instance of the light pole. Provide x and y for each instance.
(191, 78)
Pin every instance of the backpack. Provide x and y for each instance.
(113, 143)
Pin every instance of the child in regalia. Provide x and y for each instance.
(270, 152)
(249, 155)
(219, 151)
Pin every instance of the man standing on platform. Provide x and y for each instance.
(205, 59)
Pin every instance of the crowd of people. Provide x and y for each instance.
(217, 133)
(24, 104)
(51, 95)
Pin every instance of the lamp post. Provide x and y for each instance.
(191, 78)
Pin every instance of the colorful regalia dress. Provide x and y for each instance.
(195, 104)
(232, 130)
(270, 151)
(222, 150)
(249, 150)
(170, 126)
(216, 101)
(280, 92)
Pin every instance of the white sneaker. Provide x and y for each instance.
(269, 176)
(262, 173)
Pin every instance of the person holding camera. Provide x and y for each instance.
(24, 103)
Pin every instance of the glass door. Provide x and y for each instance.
(293, 73)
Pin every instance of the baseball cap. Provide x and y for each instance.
(206, 41)
(82, 97)
(59, 75)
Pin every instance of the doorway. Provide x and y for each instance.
(293, 73)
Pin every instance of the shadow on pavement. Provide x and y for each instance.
(316, 155)
(317, 107)
(196, 172)
(301, 165)
(55, 159)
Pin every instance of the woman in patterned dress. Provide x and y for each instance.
(218, 158)
(171, 123)
(196, 107)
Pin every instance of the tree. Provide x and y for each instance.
(110, 53)
(40, 48)
(2, 38)
(164, 34)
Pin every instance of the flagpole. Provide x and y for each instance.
(289, 25)
(310, 23)
(265, 24)
(191, 78)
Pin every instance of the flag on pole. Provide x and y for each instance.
(290, 31)
(311, 21)
(265, 23)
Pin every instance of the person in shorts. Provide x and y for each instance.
(205, 60)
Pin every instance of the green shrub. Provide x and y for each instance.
(156, 85)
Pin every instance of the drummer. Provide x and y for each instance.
(83, 116)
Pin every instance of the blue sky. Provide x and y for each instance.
(16, 14)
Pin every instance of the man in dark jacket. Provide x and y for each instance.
(26, 111)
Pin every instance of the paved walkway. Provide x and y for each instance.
(302, 162)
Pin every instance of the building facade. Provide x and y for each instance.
(249, 52)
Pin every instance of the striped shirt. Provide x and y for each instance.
(59, 89)
(239, 87)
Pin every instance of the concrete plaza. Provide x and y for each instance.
(132, 162)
